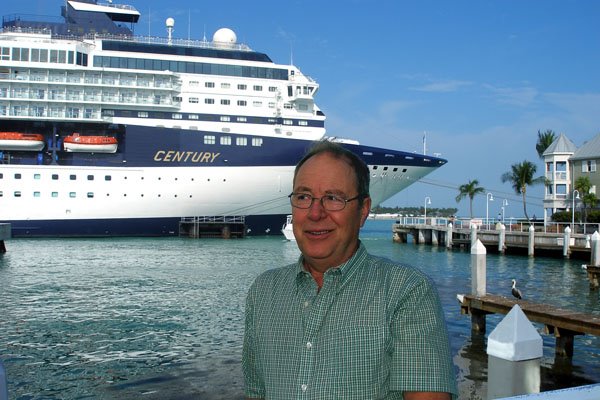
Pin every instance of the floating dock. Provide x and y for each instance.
(224, 227)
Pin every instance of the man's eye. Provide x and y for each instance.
(334, 199)
(303, 197)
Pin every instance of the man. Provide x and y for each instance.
(342, 324)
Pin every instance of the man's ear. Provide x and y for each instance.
(364, 212)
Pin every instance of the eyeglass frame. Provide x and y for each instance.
(313, 198)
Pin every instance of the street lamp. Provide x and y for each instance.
(427, 201)
(488, 197)
(504, 204)
(573, 210)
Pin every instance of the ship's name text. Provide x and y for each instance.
(185, 156)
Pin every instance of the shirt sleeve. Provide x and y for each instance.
(253, 380)
(421, 359)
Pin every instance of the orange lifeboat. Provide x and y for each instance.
(21, 141)
(77, 143)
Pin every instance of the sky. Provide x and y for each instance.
(478, 78)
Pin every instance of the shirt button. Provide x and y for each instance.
(306, 303)
(309, 345)
(304, 387)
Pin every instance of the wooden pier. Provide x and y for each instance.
(513, 241)
(225, 227)
(564, 324)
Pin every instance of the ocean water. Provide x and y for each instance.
(162, 318)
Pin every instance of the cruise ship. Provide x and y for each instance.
(106, 133)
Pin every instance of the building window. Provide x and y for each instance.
(588, 166)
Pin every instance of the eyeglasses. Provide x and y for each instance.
(330, 202)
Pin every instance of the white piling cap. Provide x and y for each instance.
(515, 338)
(478, 248)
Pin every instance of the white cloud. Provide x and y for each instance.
(443, 87)
(517, 96)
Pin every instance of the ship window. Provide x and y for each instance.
(209, 84)
(44, 55)
(303, 123)
(395, 169)
(225, 118)
(242, 87)
(90, 195)
(209, 101)
(90, 177)
(241, 141)
(242, 119)
(54, 194)
(36, 194)
(35, 55)
(71, 57)
(17, 193)
(194, 83)
(288, 122)
(107, 177)
(1, 193)
(272, 89)
(288, 106)
(143, 114)
(242, 103)
(36, 176)
(226, 140)
(225, 102)
(209, 139)
(194, 100)
(54, 177)
(17, 176)
(72, 177)
(257, 88)
(193, 116)
(53, 56)
(72, 195)
(5, 53)
(257, 142)
(177, 116)
(177, 99)
(303, 107)
(403, 169)
(62, 56)
(225, 85)
(1, 176)
(257, 103)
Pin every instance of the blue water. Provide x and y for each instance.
(163, 318)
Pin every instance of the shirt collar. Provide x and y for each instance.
(346, 269)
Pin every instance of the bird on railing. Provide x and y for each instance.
(516, 292)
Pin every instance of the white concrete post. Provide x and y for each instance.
(595, 249)
(531, 241)
(478, 269)
(566, 241)
(501, 238)
(449, 236)
(421, 234)
(514, 351)
(473, 234)
(434, 237)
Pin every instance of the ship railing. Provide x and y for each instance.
(215, 219)
(120, 6)
(128, 38)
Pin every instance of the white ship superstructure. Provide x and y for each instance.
(105, 133)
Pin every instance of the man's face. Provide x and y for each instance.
(328, 238)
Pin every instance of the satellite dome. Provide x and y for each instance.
(170, 22)
(225, 35)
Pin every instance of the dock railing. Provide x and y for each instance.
(512, 224)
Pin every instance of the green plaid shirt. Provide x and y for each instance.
(373, 331)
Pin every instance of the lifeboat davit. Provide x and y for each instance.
(21, 141)
(77, 143)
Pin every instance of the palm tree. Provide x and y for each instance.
(470, 190)
(544, 141)
(589, 200)
(521, 176)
